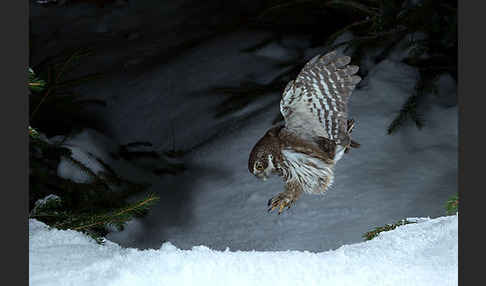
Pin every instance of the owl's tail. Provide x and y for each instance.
(352, 144)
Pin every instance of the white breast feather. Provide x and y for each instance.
(312, 179)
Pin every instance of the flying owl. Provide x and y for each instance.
(316, 132)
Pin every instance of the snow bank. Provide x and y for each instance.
(424, 253)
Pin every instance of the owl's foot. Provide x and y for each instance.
(281, 201)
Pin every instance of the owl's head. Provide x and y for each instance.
(261, 161)
(261, 166)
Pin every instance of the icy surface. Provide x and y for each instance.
(425, 253)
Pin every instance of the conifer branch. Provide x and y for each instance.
(54, 74)
(408, 111)
(387, 227)
(452, 205)
(120, 216)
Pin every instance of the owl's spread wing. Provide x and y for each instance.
(315, 103)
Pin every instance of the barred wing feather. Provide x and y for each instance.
(315, 103)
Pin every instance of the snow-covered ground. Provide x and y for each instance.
(216, 202)
(424, 253)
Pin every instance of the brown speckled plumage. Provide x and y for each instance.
(316, 131)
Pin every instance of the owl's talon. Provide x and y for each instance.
(282, 201)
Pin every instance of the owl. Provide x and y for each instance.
(316, 132)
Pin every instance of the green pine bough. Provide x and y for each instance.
(52, 94)
(93, 224)
(94, 208)
(115, 218)
(35, 84)
(452, 205)
(387, 227)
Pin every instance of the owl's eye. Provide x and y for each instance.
(259, 166)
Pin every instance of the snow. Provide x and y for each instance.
(69, 170)
(218, 203)
(41, 203)
(215, 202)
(424, 253)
